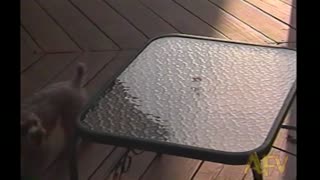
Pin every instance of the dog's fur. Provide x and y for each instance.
(58, 103)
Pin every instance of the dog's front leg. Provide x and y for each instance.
(69, 129)
(69, 151)
(71, 148)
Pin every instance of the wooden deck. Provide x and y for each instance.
(56, 34)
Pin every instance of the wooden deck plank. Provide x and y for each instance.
(27, 57)
(41, 72)
(171, 167)
(181, 19)
(272, 28)
(142, 17)
(29, 41)
(44, 30)
(110, 22)
(229, 25)
(88, 159)
(281, 138)
(277, 9)
(208, 171)
(105, 169)
(292, 3)
(87, 35)
(29, 51)
(234, 172)
(138, 165)
(290, 171)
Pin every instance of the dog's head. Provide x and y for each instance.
(31, 127)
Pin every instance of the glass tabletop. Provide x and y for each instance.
(197, 92)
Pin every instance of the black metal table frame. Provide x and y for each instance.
(232, 158)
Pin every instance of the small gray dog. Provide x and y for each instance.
(60, 103)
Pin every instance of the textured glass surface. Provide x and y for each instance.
(202, 93)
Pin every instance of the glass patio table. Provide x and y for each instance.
(196, 97)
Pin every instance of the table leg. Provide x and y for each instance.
(124, 163)
(257, 170)
(290, 138)
(288, 127)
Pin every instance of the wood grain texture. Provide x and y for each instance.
(171, 167)
(77, 25)
(208, 171)
(230, 26)
(44, 30)
(111, 23)
(29, 51)
(142, 17)
(272, 28)
(277, 9)
(178, 17)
